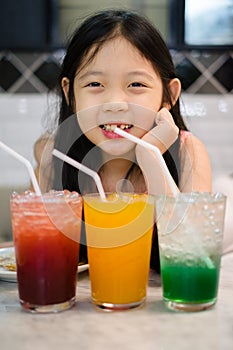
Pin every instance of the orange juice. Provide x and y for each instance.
(119, 234)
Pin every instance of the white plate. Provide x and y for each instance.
(10, 276)
(5, 274)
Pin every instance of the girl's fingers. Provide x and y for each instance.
(165, 133)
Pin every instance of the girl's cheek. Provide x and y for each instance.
(144, 118)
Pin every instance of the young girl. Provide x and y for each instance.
(118, 71)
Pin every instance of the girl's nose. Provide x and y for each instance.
(115, 107)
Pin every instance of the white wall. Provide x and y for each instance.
(210, 117)
(20, 125)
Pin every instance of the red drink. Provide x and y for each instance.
(46, 237)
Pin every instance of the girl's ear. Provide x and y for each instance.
(65, 84)
(175, 89)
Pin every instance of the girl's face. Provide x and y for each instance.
(118, 87)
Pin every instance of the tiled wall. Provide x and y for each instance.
(205, 72)
(200, 72)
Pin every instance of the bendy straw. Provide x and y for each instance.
(82, 168)
(26, 163)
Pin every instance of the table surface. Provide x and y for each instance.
(151, 326)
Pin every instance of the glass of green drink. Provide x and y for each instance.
(190, 231)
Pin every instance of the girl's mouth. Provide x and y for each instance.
(108, 129)
(111, 127)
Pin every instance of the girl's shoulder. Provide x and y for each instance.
(43, 155)
(44, 142)
(184, 135)
(194, 164)
(188, 139)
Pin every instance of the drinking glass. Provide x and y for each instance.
(119, 234)
(46, 232)
(190, 231)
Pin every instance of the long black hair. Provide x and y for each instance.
(89, 37)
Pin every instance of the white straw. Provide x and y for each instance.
(25, 162)
(82, 168)
(155, 149)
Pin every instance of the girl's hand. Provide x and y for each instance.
(165, 133)
(162, 136)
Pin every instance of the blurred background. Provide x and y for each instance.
(32, 45)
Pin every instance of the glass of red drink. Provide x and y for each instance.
(46, 234)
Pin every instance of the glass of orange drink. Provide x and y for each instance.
(119, 234)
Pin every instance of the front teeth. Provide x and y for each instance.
(111, 127)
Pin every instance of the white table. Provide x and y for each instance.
(150, 327)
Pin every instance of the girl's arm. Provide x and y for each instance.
(195, 168)
(43, 155)
(156, 181)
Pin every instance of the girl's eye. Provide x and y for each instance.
(94, 84)
(137, 84)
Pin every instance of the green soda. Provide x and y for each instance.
(189, 284)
